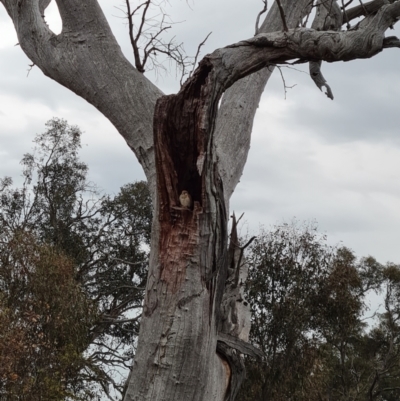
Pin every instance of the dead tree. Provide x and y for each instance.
(192, 335)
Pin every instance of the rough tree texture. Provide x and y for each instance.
(194, 324)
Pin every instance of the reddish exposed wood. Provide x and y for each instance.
(192, 243)
(183, 126)
(181, 137)
(177, 245)
(228, 369)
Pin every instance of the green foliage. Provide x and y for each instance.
(308, 303)
(44, 318)
(72, 275)
(287, 267)
(104, 238)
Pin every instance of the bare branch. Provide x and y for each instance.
(365, 9)
(109, 94)
(239, 263)
(307, 13)
(264, 10)
(240, 102)
(328, 17)
(285, 87)
(143, 21)
(197, 53)
(146, 38)
(391, 41)
(345, 16)
(130, 15)
(282, 13)
(120, 321)
(318, 78)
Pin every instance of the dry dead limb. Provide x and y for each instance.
(345, 16)
(282, 13)
(146, 38)
(197, 54)
(285, 87)
(264, 10)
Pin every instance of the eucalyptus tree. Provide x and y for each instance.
(188, 142)
(309, 306)
(45, 321)
(289, 267)
(59, 215)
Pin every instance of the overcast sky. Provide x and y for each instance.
(336, 162)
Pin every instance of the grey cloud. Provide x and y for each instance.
(365, 105)
(285, 175)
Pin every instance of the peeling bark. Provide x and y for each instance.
(184, 132)
(192, 252)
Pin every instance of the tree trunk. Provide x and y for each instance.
(186, 349)
(176, 357)
(179, 356)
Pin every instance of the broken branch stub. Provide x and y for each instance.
(328, 17)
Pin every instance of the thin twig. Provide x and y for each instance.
(259, 15)
(347, 4)
(363, 6)
(149, 30)
(346, 18)
(239, 263)
(197, 53)
(237, 221)
(30, 68)
(285, 87)
(282, 13)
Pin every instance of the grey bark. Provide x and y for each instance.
(202, 283)
(86, 58)
(240, 102)
(328, 17)
(191, 336)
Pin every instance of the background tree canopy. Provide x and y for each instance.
(73, 265)
(194, 325)
(309, 306)
(72, 271)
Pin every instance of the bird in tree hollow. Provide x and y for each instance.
(185, 199)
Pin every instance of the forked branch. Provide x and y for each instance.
(146, 32)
